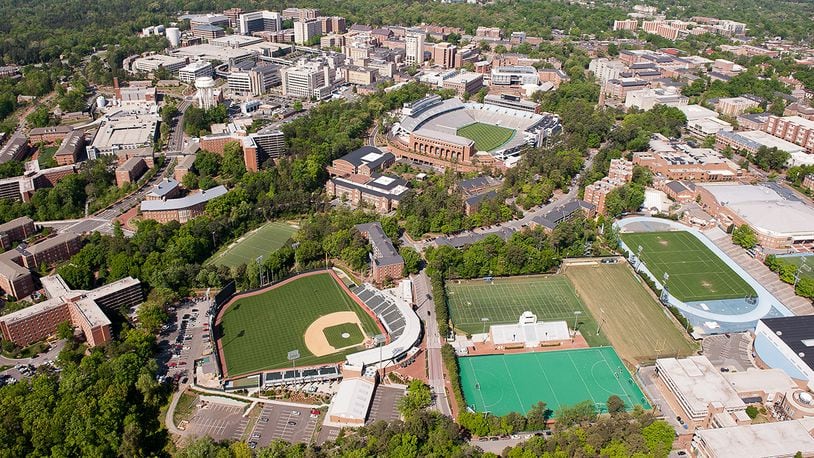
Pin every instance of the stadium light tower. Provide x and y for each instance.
(379, 340)
(639, 258)
(259, 261)
(803, 268)
(602, 320)
(484, 320)
(577, 313)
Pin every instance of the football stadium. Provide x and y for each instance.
(445, 132)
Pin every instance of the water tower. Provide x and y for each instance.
(174, 36)
(205, 96)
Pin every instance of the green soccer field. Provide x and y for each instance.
(257, 332)
(695, 272)
(262, 241)
(504, 299)
(486, 136)
(500, 384)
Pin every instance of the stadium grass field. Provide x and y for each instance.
(797, 261)
(334, 335)
(486, 136)
(696, 273)
(637, 325)
(261, 241)
(500, 384)
(550, 297)
(257, 332)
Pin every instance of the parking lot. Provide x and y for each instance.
(385, 403)
(729, 352)
(291, 424)
(220, 421)
(184, 340)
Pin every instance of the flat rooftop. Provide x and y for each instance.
(768, 439)
(126, 131)
(211, 52)
(700, 383)
(765, 210)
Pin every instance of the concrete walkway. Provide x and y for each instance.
(765, 300)
(760, 272)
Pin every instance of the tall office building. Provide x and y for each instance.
(306, 80)
(414, 48)
(260, 21)
(305, 31)
(443, 54)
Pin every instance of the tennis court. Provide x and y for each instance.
(695, 272)
(474, 305)
(261, 241)
(500, 384)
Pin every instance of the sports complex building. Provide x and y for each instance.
(778, 221)
(467, 135)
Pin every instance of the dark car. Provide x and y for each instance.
(292, 423)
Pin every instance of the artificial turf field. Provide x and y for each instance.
(261, 241)
(257, 332)
(636, 324)
(696, 273)
(504, 299)
(486, 136)
(500, 384)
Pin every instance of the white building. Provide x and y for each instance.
(781, 439)
(699, 388)
(414, 48)
(153, 62)
(305, 31)
(351, 403)
(646, 99)
(254, 81)
(206, 92)
(194, 70)
(605, 69)
(514, 75)
(528, 332)
(260, 21)
(307, 80)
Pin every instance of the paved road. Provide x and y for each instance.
(175, 144)
(426, 310)
(506, 228)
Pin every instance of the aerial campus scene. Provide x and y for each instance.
(517, 228)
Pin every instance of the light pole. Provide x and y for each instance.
(259, 261)
(639, 258)
(213, 240)
(803, 268)
(577, 313)
(599, 323)
(380, 339)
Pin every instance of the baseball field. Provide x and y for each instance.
(311, 313)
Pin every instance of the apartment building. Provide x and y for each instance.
(16, 230)
(385, 262)
(259, 147)
(735, 106)
(626, 24)
(619, 173)
(71, 148)
(794, 129)
(606, 69)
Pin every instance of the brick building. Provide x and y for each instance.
(182, 209)
(184, 166)
(16, 230)
(83, 309)
(794, 129)
(619, 173)
(71, 148)
(130, 171)
(51, 134)
(385, 262)
(355, 178)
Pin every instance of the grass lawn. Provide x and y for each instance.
(549, 297)
(335, 338)
(696, 273)
(185, 407)
(261, 241)
(500, 384)
(257, 332)
(639, 328)
(486, 136)
(797, 261)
